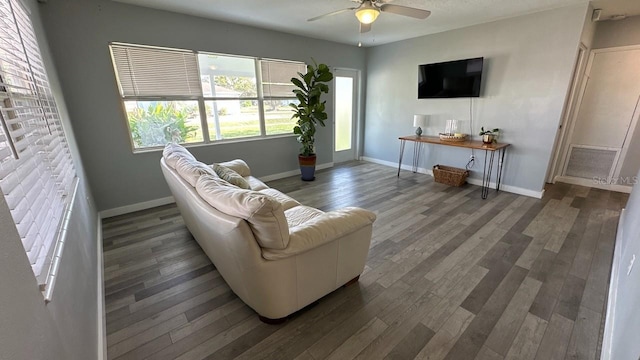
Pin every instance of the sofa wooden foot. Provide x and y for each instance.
(352, 281)
(272, 321)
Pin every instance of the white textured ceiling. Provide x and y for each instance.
(290, 15)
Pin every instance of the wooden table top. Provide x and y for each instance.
(470, 144)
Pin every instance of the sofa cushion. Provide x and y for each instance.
(264, 213)
(287, 201)
(255, 183)
(191, 170)
(237, 165)
(230, 176)
(300, 214)
(173, 152)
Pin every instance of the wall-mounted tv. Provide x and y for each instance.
(451, 79)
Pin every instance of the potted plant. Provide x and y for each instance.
(309, 112)
(489, 136)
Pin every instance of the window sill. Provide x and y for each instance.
(217, 142)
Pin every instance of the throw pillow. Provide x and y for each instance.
(231, 176)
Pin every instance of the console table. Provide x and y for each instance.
(489, 155)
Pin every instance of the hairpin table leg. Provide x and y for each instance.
(402, 142)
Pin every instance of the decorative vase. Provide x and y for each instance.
(488, 138)
(307, 167)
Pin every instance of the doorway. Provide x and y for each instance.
(346, 115)
(602, 128)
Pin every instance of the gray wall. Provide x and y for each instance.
(622, 33)
(528, 67)
(79, 32)
(617, 33)
(623, 313)
(66, 328)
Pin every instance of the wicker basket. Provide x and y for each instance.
(450, 175)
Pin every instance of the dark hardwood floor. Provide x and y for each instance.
(449, 276)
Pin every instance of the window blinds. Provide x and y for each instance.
(276, 77)
(37, 175)
(149, 71)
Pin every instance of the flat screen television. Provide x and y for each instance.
(451, 79)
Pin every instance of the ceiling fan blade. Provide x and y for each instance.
(365, 28)
(405, 11)
(331, 14)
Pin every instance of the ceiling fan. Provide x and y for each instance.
(368, 10)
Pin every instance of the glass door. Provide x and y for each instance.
(345, 115)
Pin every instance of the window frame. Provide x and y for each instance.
(202, 99)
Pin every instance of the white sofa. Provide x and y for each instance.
(277, 255)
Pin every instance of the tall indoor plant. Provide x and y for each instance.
(309, 112)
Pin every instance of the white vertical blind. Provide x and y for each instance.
(150, 71)
(36, 170)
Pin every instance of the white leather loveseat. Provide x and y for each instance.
(277, 255)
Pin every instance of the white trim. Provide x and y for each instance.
(593, 184)
(473, 181)
(508, 188)
(287, 174)
(102, 314)
(566, 121)
(136, 207)
(61, 239)
(616, 48)
(609, 325)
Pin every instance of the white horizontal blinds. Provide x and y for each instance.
(36, 169)
(147, 71)
(276, 77)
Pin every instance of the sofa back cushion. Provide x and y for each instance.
(173, 152)
(264, 214)
(230, 176)
(191, 170)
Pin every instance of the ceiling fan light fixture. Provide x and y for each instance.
(367, 14)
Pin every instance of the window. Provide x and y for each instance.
(173, 95)
(37, 176)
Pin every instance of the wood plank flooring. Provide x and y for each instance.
(449, 276)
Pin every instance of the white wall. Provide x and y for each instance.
(66, 328)
(79, 32)
(623, 314)
(528, 67)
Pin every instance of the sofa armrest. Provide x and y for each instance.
(238, 166)
(322, 229)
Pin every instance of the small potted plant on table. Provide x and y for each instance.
(489, 136)
(310, 111)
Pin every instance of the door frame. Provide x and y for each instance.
(617, 166)
(356, 134)
(572, 104)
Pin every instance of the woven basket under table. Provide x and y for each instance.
(450, 175)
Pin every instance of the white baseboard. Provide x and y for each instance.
(102, 313)
(593, 184)
(136, 207)
(607, 338)
(287, 174)
(507, 188)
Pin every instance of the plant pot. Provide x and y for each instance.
(488, 138)
(307, 167)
